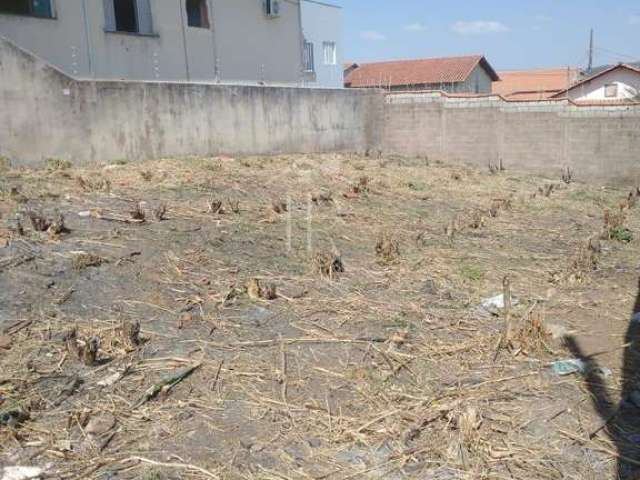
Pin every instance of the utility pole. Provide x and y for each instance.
(590, 52)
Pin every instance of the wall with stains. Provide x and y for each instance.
(47, 114)
(599, 143)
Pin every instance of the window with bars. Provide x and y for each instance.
(131, 16)
(330, 55)
(308, 62)
(34, 8)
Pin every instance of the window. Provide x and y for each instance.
(132, 16)
(271, 8)
(329, 49)
(126, 17)
(35, 8)
(308, 57)
(611, 90)
(197, 13)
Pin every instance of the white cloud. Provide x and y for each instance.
(415, 27)
(372, 35)
(634, 19)
(479, 27)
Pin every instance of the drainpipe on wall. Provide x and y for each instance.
(301, 45)
(184, 41)
(87, 32)
(216, 64)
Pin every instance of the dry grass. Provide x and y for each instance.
(304, 343)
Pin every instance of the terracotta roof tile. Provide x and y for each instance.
(416, 72)
(533, 84)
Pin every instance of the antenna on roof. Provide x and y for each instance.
(590, 67)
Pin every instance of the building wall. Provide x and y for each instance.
(478, 82)
(243, 45)
(599, 143)
(47, 114)
(321, 23)
(62, 41)
(628, 87)
(253, 47)
(119, 55)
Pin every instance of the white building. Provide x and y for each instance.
(616, 84)
(225, 41)
(322, 31)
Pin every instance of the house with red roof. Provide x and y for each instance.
(469, 74)
(619, 83)
(540, 84)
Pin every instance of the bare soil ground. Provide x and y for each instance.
(306, 317)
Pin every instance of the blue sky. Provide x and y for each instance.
(513, 34)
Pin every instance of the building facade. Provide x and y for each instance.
(227, 41)
(620, 83)
(465, 75)
(322, 55)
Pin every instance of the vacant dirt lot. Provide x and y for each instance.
(311, 317)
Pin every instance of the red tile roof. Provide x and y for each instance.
(417, 72)
(533, 84)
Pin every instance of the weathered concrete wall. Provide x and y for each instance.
(45, 114)
(599, 143)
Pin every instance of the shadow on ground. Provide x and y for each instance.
(621, 420)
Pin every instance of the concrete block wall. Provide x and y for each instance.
(600, 143)
(45, 114)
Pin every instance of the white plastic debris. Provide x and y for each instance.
(569, 367)
(22, 473)
(84, 213)
(575, 365)
(495, 304)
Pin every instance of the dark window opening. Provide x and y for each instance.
(125, 15)
(197, 13)
(272, 8)
(35, 8)
(307, 57)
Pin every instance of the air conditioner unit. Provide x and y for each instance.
(272, 8)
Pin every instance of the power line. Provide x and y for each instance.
(619, 55)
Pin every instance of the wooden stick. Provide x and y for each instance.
(508, 327)
(283, 372)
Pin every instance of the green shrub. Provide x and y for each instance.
(621, 234)
(471, 273)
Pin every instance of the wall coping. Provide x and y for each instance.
(493, 99)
